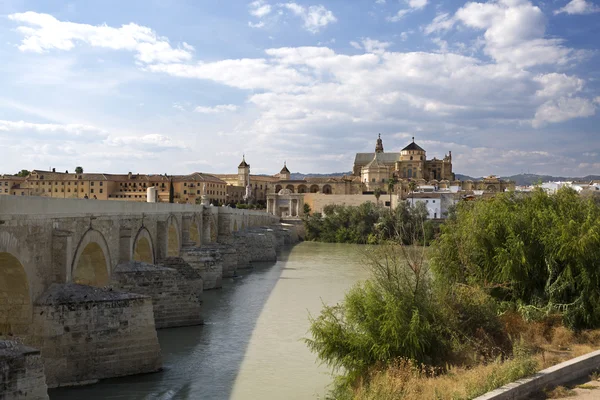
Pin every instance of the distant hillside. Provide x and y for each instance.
(530, 179)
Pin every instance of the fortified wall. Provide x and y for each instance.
(86, 282)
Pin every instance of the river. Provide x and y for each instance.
(250, 346)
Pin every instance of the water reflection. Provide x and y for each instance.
(250, 346)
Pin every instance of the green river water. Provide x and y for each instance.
(251, 344)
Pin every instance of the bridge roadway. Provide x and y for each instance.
(46, 242)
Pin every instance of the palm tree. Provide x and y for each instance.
(377, 193)
(412, 186)
(391, 182)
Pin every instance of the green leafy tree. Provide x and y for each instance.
(79, 170)
(23, 173)
(538, 253)
(306, 209)
(377, 194)
(412, 187)
(390, 185)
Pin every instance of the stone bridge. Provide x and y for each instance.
(71, 270)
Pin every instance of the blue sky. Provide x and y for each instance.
(176, 86)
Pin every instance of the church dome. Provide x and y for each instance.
(413, 146)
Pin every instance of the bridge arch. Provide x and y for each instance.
(173, 237)
(91, 264)
(195, 234)
(15, 297)
(143, 247)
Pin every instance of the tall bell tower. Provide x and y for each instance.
(379, 145)
(243, 172)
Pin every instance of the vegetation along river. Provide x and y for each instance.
(251, 344)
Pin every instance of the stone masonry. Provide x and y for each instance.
(174, 298)
(86, 333)
(21, 372)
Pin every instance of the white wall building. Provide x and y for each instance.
(437, 203)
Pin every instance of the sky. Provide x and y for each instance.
(181, 86)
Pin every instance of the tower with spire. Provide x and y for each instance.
(379, 145)
(243, 172)
(284, 174)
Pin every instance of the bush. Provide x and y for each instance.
(539, 251)
(399, 313)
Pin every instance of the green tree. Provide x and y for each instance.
(538, 253)
(377, 193)
(412, 187)
(79, 170)
(306, 209)
(391, 183)
(22, 173)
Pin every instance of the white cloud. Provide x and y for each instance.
(153, 141)
(356, 45)
(259, 8)
(578, 7)
(418, 4)
(588, 154)
(441, 22)
(557, 85)
(563, 109)
(43, 32)
(216, 109)
(375, 46)
(514, 32)
(314, 17)
(379, 1)
(413, 6)
(259, 24)
(71, 131)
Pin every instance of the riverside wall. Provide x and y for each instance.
(88, 283)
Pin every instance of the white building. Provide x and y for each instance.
(437, 203)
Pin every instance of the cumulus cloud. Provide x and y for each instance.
(43, 32)
(514, 32)
(216, 109)
(563, 109)
(314, 17)
(578, 7)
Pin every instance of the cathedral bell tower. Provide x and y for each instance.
(379, 146)
(243, 172)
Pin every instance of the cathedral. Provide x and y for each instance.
(411, 163)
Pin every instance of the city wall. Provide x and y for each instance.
(318, 201)
(88, 282)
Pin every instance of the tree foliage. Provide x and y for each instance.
(79, 170)
(22, 173)
(538, 253)
(368, 223)
(400, 312)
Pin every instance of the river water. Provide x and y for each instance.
(250, 346)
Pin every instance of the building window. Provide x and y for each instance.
(81, 190)
(421, 158)
(434, 201)
(426, 201)
(411, 158)
(184, 183)
(101, 190)
(91, 190)
(185, 191)
(101, 185)
(55, 190)
(92, 184)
